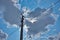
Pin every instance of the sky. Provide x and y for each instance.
(41, 22)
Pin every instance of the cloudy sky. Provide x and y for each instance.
(42, 19)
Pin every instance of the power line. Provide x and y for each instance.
(13, 32)
(50, 7)
(21, 31)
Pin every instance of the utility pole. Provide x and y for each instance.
(21, 31)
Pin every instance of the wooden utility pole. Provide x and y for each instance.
(21, 31)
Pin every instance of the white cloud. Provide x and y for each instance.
(3, 36)
(14, 25)
(11, 25)
(26, 28)
(16, 4)
(54, 37)
(15, 1)
(12, 13)
(37, 35)
(32, 20)
(40, 22)
(2, 9)
(26, 11)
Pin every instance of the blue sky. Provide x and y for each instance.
(13, 32)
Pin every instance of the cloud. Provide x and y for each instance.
(41, 19)
(55, 37)
(11, 26)
(16, 4)
(26, 28)
(51, 38)
(2, 9)
(25, 11)
(32, 20)
(3, 36)
(11, 13)
(38, 19)
(15, 1)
